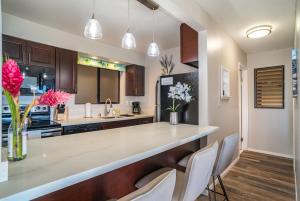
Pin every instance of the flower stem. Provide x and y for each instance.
(174, 105)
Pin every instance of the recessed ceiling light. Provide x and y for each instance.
(259, 31)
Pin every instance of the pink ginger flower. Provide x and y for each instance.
(12, 78)
(62, 97)
(53, 98)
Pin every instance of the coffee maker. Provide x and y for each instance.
(136, 108)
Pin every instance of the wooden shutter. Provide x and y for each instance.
(269, 87)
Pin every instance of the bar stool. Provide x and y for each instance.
(225, 156)
(192, 183)
(161, 188)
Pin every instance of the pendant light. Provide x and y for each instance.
(128, 41)
(153, 50)
(93, 29)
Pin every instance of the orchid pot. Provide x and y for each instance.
(180, 93)
(12, 80)
(173, 118)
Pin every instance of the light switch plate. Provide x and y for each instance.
(3, 171)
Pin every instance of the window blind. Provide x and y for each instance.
(269, 87)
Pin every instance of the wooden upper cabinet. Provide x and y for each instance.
(135, 80)
(66, 70)
(28, 53)
(189, 45)
(40, 54)
(14, 48)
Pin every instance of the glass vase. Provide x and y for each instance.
(17, 142)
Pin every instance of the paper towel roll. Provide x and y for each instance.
(88, 110)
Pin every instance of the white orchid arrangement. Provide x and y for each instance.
(179, 92)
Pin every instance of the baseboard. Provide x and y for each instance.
(296, 181)
(271, 153)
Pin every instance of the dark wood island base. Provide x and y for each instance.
(120, 182)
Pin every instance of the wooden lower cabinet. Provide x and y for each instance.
(125, 123)
(120, 182)
(67, 130)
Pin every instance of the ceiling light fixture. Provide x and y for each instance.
(128, 41)
(259, 31)
(153, 49)
(93, 29)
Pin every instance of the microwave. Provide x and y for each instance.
(37, 80)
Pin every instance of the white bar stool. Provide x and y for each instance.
(161, 188)
(225, 156)
(192, 183)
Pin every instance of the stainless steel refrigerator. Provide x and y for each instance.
(188, 112)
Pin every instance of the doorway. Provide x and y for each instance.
(243, 109)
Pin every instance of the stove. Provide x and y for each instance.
(39, 126)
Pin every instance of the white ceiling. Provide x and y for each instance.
(71, 16)
(237, 16)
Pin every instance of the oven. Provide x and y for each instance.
(39, 126)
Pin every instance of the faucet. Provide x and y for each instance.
(106, 110)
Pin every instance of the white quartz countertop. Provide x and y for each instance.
(58, 162)
(78, 121)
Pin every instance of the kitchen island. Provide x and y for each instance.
(101, 164)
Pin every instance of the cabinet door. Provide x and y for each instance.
(66, 70)
(14, 48)
(135, 80)
(140, 81)
(130, 81)
(189, 45)
(40, 54)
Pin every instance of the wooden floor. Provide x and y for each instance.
(259, 177)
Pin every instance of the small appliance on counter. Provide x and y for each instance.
(88, 110)
(61, 113)
(136, 108)
(40, 124)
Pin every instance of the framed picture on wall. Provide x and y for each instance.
(225, 83)
(294, 72)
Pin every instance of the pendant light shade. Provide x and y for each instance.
(93, 29)
(128, 41)
(153, 50)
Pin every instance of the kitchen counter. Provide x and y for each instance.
(55, 163)
(78, 121)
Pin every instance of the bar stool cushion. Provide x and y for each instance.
(160, 188)
(148, 178)
(178, 186)
(192, 183)
(184, 161)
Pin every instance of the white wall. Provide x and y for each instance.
(296, 107)
(216, 48)
(29, 30)
(271, 129)
(153, 72)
